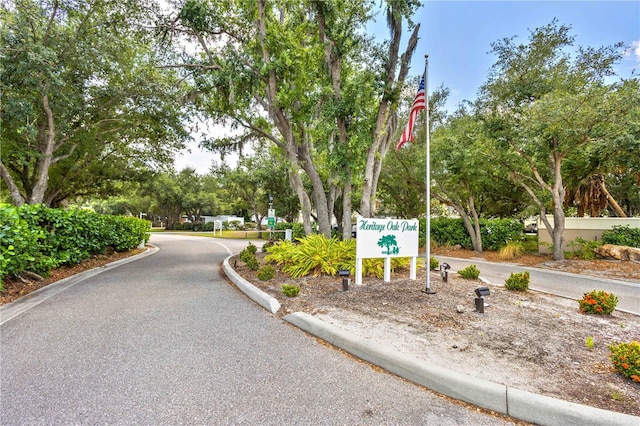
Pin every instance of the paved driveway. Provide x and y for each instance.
(165, 340)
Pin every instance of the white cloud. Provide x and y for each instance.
(634, 51)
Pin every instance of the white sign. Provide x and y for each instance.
(386, 238)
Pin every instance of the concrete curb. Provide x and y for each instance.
(500, 398)
(23, 304)
(271, 304)
(513, 402)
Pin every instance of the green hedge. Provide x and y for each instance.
(38, 238)
(495, 232)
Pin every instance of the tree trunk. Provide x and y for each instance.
(44, 163)
(386, 122)
(298, 187)
(612, 201)
(558, 192)
(346, 207)
(473, 228)
(319, 196)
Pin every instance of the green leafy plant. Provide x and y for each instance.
(266, 245)
(598, 302)
(290, 290)
(616, 396)
(625, 357)
(589, 342)
(265, 273)
(584, 249)
(313, 255)
(251, 248)
(495, 232)
(247, 253)
(518, 281)
(253, 263)
(37, 238)
(470, 272)
(622, 236)
(433, 263)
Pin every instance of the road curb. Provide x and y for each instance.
(23, 304)
(523, 405)
(271, 304)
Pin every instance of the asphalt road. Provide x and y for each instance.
(165, 340)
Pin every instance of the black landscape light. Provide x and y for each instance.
(344, 273)
(481, 292)
(444, 268)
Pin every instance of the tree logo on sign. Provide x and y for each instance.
(389, 241)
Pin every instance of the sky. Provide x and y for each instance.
(457, 36)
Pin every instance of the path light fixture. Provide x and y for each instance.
(344, 273)
(444, 268)
(481, 292)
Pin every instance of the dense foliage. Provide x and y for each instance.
(622, 236)
(84, 104)
(37, 238)
(496, 233)
(317, 254)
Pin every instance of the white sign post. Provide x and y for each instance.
(386, 238)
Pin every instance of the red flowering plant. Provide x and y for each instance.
(598, 302)
(626, 359)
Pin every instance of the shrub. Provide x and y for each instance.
(433, 263)
(248, 252)
(626, 359)
(448, 232)
(248, 256)
(598, 302)
(518, 281)
(512, 250)
(38, 238)
(251, 248)
(584, 249)
(470, 272)
(266, 245)
(252, 263)
(622, 236)
(495, 232)
(290, 290)
(265, 273)
(314, 255)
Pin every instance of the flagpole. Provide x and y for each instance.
(428, 177)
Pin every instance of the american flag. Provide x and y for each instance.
(419, 103)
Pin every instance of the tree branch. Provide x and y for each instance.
(16, 196)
